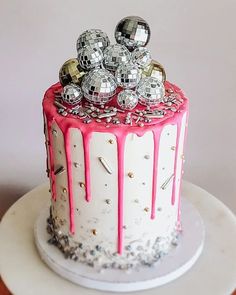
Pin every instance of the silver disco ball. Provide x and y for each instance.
(128, 75)
(114, 55)
(127, 99)
(141, 56)
(72, 94)
(93, 38)
(89, 57)
(150, 91)
(133, 32)
(99, 86)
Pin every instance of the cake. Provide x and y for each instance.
(115, 131)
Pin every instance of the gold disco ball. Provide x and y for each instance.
(156, 70)
(71, 72)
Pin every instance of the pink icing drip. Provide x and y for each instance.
(178, 124)
(120, 149)
(69, 179)
(51, 159)
(86, 141)
(156, 140)
(121, 133)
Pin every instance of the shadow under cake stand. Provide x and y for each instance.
(214, 273)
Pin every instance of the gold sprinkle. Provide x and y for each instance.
(74, 145)
(59, 152)
(64, 190)
(76, 165)
(136, 201)
(108, 201)
(124, 227)
(146, 209)
(173, 148)
(182, 156)
(94, 231)
(111, 141)
(131, 175)
(81, 184)
(54, 132)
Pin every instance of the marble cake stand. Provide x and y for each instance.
(24, 272)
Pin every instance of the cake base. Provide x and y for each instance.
(24, 273)
(168, 268)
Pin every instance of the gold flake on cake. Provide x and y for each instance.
(131, 175)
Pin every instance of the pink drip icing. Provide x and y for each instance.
(69, 178)
(86, 141)
(121, 133)
(156, 140)
(178, 124)
(120, 149)
(51, 159)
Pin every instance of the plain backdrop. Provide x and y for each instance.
(194, 40)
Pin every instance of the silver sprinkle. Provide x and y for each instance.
(105, 164)
(166, 182)
(59, 170)
(106, 115)
(59, 105)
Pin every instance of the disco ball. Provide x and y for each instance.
(99, 86)
(71, 72)
(72, 94)
(127, 99)
(150, 91)
(89, 57)
(128, 75)
(114, 55)
(154, 69)
(141, 56)
(93, 38)
(133, 32)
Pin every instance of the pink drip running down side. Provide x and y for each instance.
(65, 124)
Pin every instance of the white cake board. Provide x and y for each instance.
(24, 273)
(173, 265)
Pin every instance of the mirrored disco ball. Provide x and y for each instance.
(127, 99)
(93, 38)
(72, 94)
(150, 91)
(114, 55)
(128, 75)
(156, 70)
(141, 56)
(71, 72)
(133, 32)
(89, 57)
(99, 86)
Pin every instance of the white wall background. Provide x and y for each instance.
(194, 40)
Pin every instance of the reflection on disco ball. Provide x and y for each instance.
(114, 55)
(127, 99)
(150, 91)
(71, 72)
(141, 56)
(99, 86)
(156, 70)
(133, 32)
(72, 94)
(93, 38)
(89, 57)
(128, 75)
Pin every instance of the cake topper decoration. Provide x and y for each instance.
(114, 55)
(99, 86)
(154, 69)
(128, 75)
(71, 72)
(93, 38)
(90, 57)
(141, 56)
(127, 99)
(133, 32)
(72, 94)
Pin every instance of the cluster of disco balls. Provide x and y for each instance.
(101, 67)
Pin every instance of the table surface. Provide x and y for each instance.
(220, 247)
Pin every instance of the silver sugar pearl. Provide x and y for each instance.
(133, 32)
(114, 55)
(128, 75)
(127, 99)
(99, 86)
(150, 91)
(141, 56)
(90, 57)
(72, 94)
(94, 38)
